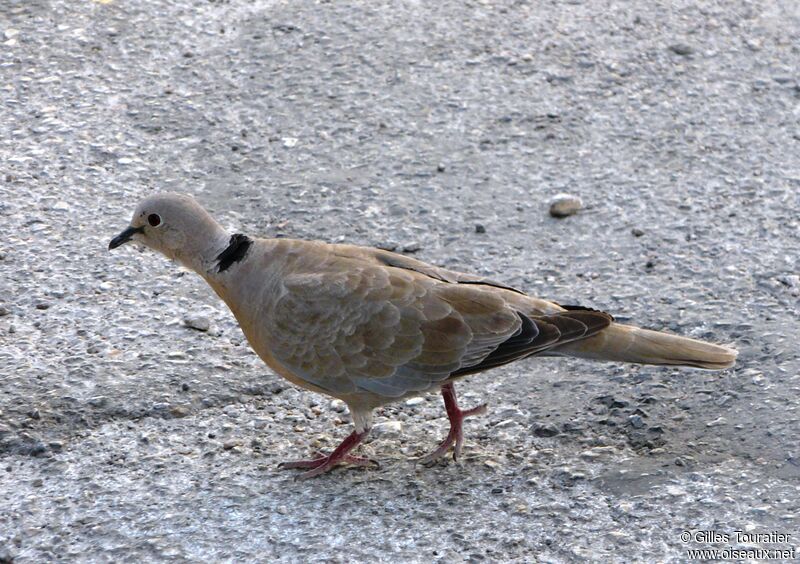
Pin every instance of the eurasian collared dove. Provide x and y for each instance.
(371, 327)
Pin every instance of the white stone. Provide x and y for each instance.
(199, 322)
(675, 491)
(563, 205)
(387, 429)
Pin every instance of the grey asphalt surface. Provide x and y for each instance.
(127, 436)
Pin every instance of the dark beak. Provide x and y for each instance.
(124, 237)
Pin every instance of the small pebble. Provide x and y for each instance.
(415, 401)
(98, 401)
(564, 205)
(597, 452)
(388, 429)
(682, 49)
(636, 232)
(198, 322)
(610, 402)
(479, 228)
(230, 445)
(505, 423)
(636, 421)
(790, 280)
(39, 449)
(676, 491)
(179, 411)
(753, 44)
(548, 430)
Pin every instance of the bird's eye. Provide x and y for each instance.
(154, 219)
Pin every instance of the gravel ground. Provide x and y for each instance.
(439, 129)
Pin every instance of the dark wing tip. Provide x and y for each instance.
(584, 308)
(538, 334)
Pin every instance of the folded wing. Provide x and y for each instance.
(354, 325)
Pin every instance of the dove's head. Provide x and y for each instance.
(176, 226)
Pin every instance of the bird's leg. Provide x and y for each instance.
(340, 455)
(455, 437)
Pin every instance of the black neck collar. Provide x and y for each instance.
(235, 251)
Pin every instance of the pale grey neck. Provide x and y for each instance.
(203, 256)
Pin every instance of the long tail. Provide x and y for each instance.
(626, 343)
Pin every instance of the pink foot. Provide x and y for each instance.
(322, 463)
(455, 437)
(322, 459)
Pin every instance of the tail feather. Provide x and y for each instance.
(625, 343)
